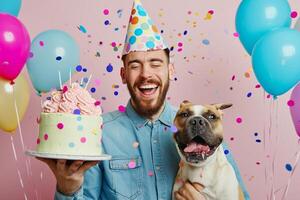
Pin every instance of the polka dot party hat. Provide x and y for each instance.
(142, 34)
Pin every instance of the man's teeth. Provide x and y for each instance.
(148, 86)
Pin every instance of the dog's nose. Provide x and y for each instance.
(197, 121)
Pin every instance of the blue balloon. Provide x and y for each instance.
(276, 60)
(255, 18)
(11, 7)
(54, 54)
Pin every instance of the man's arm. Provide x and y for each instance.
(91, 188)
(237, 172)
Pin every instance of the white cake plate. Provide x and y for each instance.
(68, 157)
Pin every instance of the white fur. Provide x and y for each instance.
(215, 174)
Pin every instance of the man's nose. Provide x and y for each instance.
(146, 71)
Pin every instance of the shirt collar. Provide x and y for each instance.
(140, 121)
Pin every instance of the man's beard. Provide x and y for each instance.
(148, 110)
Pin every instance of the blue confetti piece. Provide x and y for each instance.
(119, 12)
(116, 93)
(82, 29)
(93, 90)
(109, 68)
(106, 22)
(58, 58)
(205, 42)
(226, 152)
(185, 32)
(258, 141)
(256, 134)
(249, 94)
(79, 68)
(84, 69)
(48, 98)
(288, 167)
(76, 112)
(85, 79)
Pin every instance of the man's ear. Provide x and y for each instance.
(123, 75)
(171, 71)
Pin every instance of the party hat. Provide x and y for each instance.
(142, 34)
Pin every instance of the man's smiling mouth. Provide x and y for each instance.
(148, 90)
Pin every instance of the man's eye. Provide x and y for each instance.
(134, 66)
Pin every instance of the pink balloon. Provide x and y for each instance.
(295, 108)
(14, 46)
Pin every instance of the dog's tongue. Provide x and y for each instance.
(196, 148)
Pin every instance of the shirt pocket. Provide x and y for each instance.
(127, 177)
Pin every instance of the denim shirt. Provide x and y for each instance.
(144, 160)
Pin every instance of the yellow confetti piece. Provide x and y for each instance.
(208, 16)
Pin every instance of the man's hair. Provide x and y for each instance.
(167, 52)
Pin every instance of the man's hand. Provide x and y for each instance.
(69, 177)
(190, 191)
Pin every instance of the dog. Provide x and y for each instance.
(198, 141)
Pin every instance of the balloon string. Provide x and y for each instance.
(13, 147)
(88, 82)
(60, 82)
(70, 77)
(19, 125)
(291, 175)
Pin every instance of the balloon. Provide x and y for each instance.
(53, 52)
(276, 60)
(18, 92)
(11, 7)
(14, 46)
(255, 18)
(295, 108)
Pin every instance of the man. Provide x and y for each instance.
(144, 158)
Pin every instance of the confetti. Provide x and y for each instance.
(226, 152)
(236, 34)
(205, 42)
(135, 145)
(288, 167)
(109, 68)
(60, 125)
(105, 11)
(290, 103)
(239, 120)
(294, 14)
(122, 108)
(82, 29)
(131, 164)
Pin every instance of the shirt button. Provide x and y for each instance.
(158, 167)
(154, 141)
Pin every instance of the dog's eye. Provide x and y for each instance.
(212, 116)
(184, 114)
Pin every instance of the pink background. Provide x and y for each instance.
(205, 74)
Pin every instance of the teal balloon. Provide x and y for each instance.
(54, 55)
(276, 60)
(254, 18)
(11, 7)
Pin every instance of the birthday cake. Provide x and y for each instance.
(70, 123)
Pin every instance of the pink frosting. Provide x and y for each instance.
(72, 99)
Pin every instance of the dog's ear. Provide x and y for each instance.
(222, 106)
(185, 102)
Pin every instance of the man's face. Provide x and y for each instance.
(147, 77)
